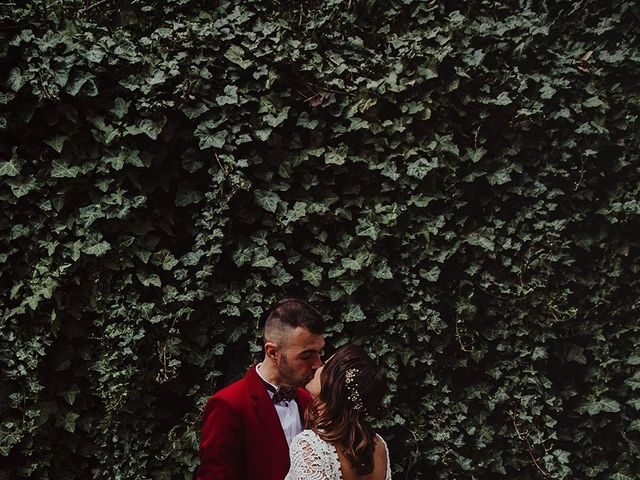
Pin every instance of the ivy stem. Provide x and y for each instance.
(525, 438)
(97, 4)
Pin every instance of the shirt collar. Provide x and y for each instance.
(271, 388)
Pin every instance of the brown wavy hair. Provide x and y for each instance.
(335, 417)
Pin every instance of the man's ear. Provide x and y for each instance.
(271, 350)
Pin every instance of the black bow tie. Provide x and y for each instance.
(282, 394)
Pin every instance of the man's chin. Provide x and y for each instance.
(298, 383)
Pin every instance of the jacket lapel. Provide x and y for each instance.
(266, 412)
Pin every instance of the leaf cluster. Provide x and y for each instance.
(455, 185)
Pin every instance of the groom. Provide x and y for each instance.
(249, 425)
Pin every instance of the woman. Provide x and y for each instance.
(339, 443)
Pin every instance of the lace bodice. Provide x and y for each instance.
(314, 459)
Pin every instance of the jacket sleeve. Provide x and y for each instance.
(221, 442)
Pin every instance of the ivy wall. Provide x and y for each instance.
(453, 184)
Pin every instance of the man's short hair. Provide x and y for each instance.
(289, 314)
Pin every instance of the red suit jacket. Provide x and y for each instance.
(241, 436)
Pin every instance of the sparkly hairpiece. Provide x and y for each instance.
(354, 395)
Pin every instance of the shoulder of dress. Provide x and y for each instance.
(306, 434)
(308, 438)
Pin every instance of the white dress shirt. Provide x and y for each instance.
(288, 412)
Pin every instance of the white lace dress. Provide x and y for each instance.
(314, 459)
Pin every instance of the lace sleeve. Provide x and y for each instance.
(307, 459)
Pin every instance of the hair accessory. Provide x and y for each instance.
(354, 395)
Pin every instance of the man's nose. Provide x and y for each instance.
(318, 363)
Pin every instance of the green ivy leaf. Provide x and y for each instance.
(77, 83)
(267, 200)
(367, 229)
(263, 133)
(547, 91)
(313, 274)
(263, 260)
(20, 189)
(165, 259)
(33, 301)
(90, 214)
(242, 256)
(621, 476)
(10, 168)
(383, 272)
(69, 421)
(350, 285)
(152, 127)
(280, 276)
(336, 272)
(159, 77)
(294, 214)
(230, 96)
(353, 314)
(149, 280)
(576, 354)
(481, 241)
(208, 138)
(70, 396)
(57, 142)
(187, 195)
(194, 111)
(235, 54)
(351, 264)
(475, 155)
(503, 99)
(120, 107)
(602, 405)
(96, 54)
(421, 167)
(633, 359)
(593, 102)
(98, 249)
(634, 381)
(275, 120)
(60, 169)
(335, 157)
(305, 121)
(499, 177)
(15, 81)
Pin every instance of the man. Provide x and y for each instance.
(249, 425)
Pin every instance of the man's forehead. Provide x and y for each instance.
(304, 339)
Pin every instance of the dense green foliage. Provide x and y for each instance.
(454, 184)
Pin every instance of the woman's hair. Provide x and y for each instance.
(352, 389)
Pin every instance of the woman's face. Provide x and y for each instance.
(313, 387)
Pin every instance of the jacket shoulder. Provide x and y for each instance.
(230, 393)
(239, 390)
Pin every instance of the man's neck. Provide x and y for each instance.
(269, 373)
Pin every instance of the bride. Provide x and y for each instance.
(339, 442)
